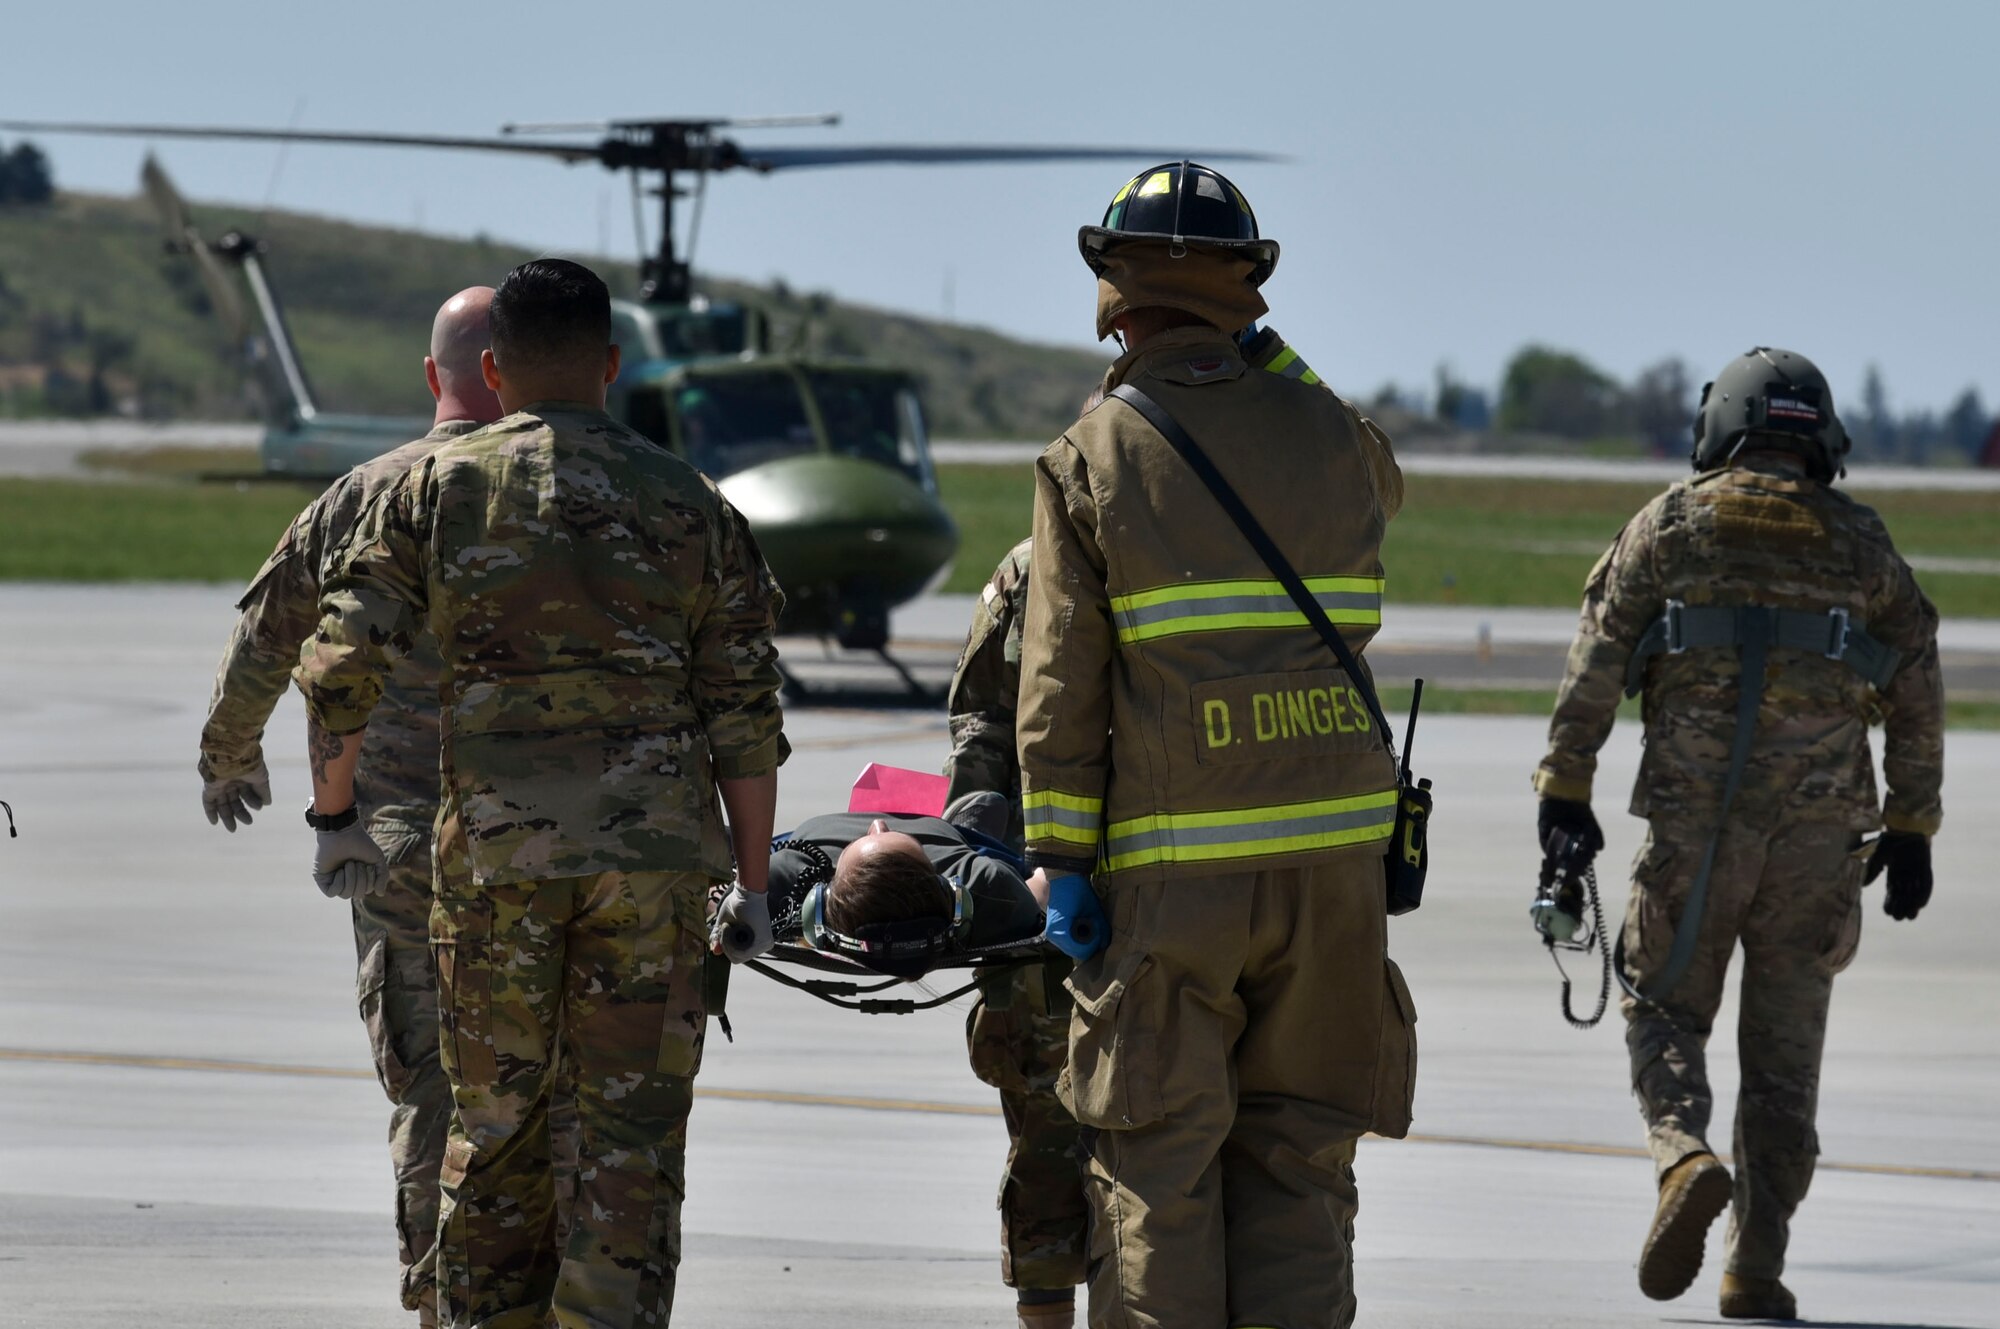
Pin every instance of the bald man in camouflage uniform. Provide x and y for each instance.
(605, 623)
(1018, 1032)
(398, 785)
(1755, 574)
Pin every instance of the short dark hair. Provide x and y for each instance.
(550, 313)
(885, 887)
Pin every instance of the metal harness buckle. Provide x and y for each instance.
(1838, 630)
(1676, 634)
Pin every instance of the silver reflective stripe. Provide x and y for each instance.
(1133, 619)
(1055, 816)
(1250, 833)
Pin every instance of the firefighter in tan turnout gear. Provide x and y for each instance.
(1767, 618)
(1188, 742)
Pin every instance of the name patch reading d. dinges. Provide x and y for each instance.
(1262, 717)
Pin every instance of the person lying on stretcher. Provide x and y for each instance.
(899, 893)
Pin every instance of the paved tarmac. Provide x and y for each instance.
(190, 1136)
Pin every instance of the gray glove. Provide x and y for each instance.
(347, 863)
(228, 800)
(743, 925)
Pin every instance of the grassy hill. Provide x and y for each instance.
(95, 316)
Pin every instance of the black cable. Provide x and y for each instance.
(1595, 941)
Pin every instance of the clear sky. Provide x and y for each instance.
(1629, 181)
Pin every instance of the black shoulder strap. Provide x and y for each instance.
(1170, 429)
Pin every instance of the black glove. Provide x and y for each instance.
(1575, 824)
(1907, 858)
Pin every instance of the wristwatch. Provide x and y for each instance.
(333, 821)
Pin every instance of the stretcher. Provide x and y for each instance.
(842, 981)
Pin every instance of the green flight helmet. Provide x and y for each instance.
(1783, 399)
(1185, 204)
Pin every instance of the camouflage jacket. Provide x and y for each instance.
(1760, 533)
(397, 784)
(605, 623)
(985, 689)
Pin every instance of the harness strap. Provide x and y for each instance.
(1831, 633)
(1758, 628)
(841, 994)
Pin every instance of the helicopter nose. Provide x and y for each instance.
(838, 520)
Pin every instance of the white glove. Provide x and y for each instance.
(228, 800)
(743, 925)
(347, 863)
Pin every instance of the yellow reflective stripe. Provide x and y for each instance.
(1289, 828)
(1286, 364)
(1280, 618)
(1120, 198)
(1219, 606)
(1210, 590)
(1160, 182)
(1049, 814)
(1051, 798)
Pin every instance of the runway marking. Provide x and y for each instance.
(137, 1061)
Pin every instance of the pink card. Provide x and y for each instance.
(882, 788)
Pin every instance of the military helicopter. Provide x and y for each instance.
(829, 460)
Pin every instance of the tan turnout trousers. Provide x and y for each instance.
(1229, 1046)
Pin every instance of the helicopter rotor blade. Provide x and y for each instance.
(946, 154)
(566, 152)
(222, 290)
(809, 121)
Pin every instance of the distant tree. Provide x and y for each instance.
(25, 177)
(1662, 404)
(1555, 392)
(1967, 424)
(1876, 434)
(1460, 404)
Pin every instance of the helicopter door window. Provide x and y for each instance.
(875, 418)
(732, 422)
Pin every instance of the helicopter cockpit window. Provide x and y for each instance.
(874, 418)
(731, 422)
(629, 331)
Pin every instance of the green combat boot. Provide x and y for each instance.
(1692, 1193)
(1757, 1299)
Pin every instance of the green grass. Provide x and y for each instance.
(89, 531)
(1471, 541)
(1511, 542)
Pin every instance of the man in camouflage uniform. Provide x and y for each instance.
(396, 786)
(1018, 1032)
(605, 624)
(1754, 576)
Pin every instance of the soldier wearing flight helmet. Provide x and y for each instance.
(1768, 621)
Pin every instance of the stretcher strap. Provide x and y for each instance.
(849, 996)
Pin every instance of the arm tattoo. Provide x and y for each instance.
(322, 748)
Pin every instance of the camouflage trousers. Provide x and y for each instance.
(396, 984)
(607, 967)
(1790, 893)
(1018, 1038)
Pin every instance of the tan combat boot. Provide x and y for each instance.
(1692, 1193)
(1757, 1299)
(1049, 1315)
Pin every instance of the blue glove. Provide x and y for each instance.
(1076, 924)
